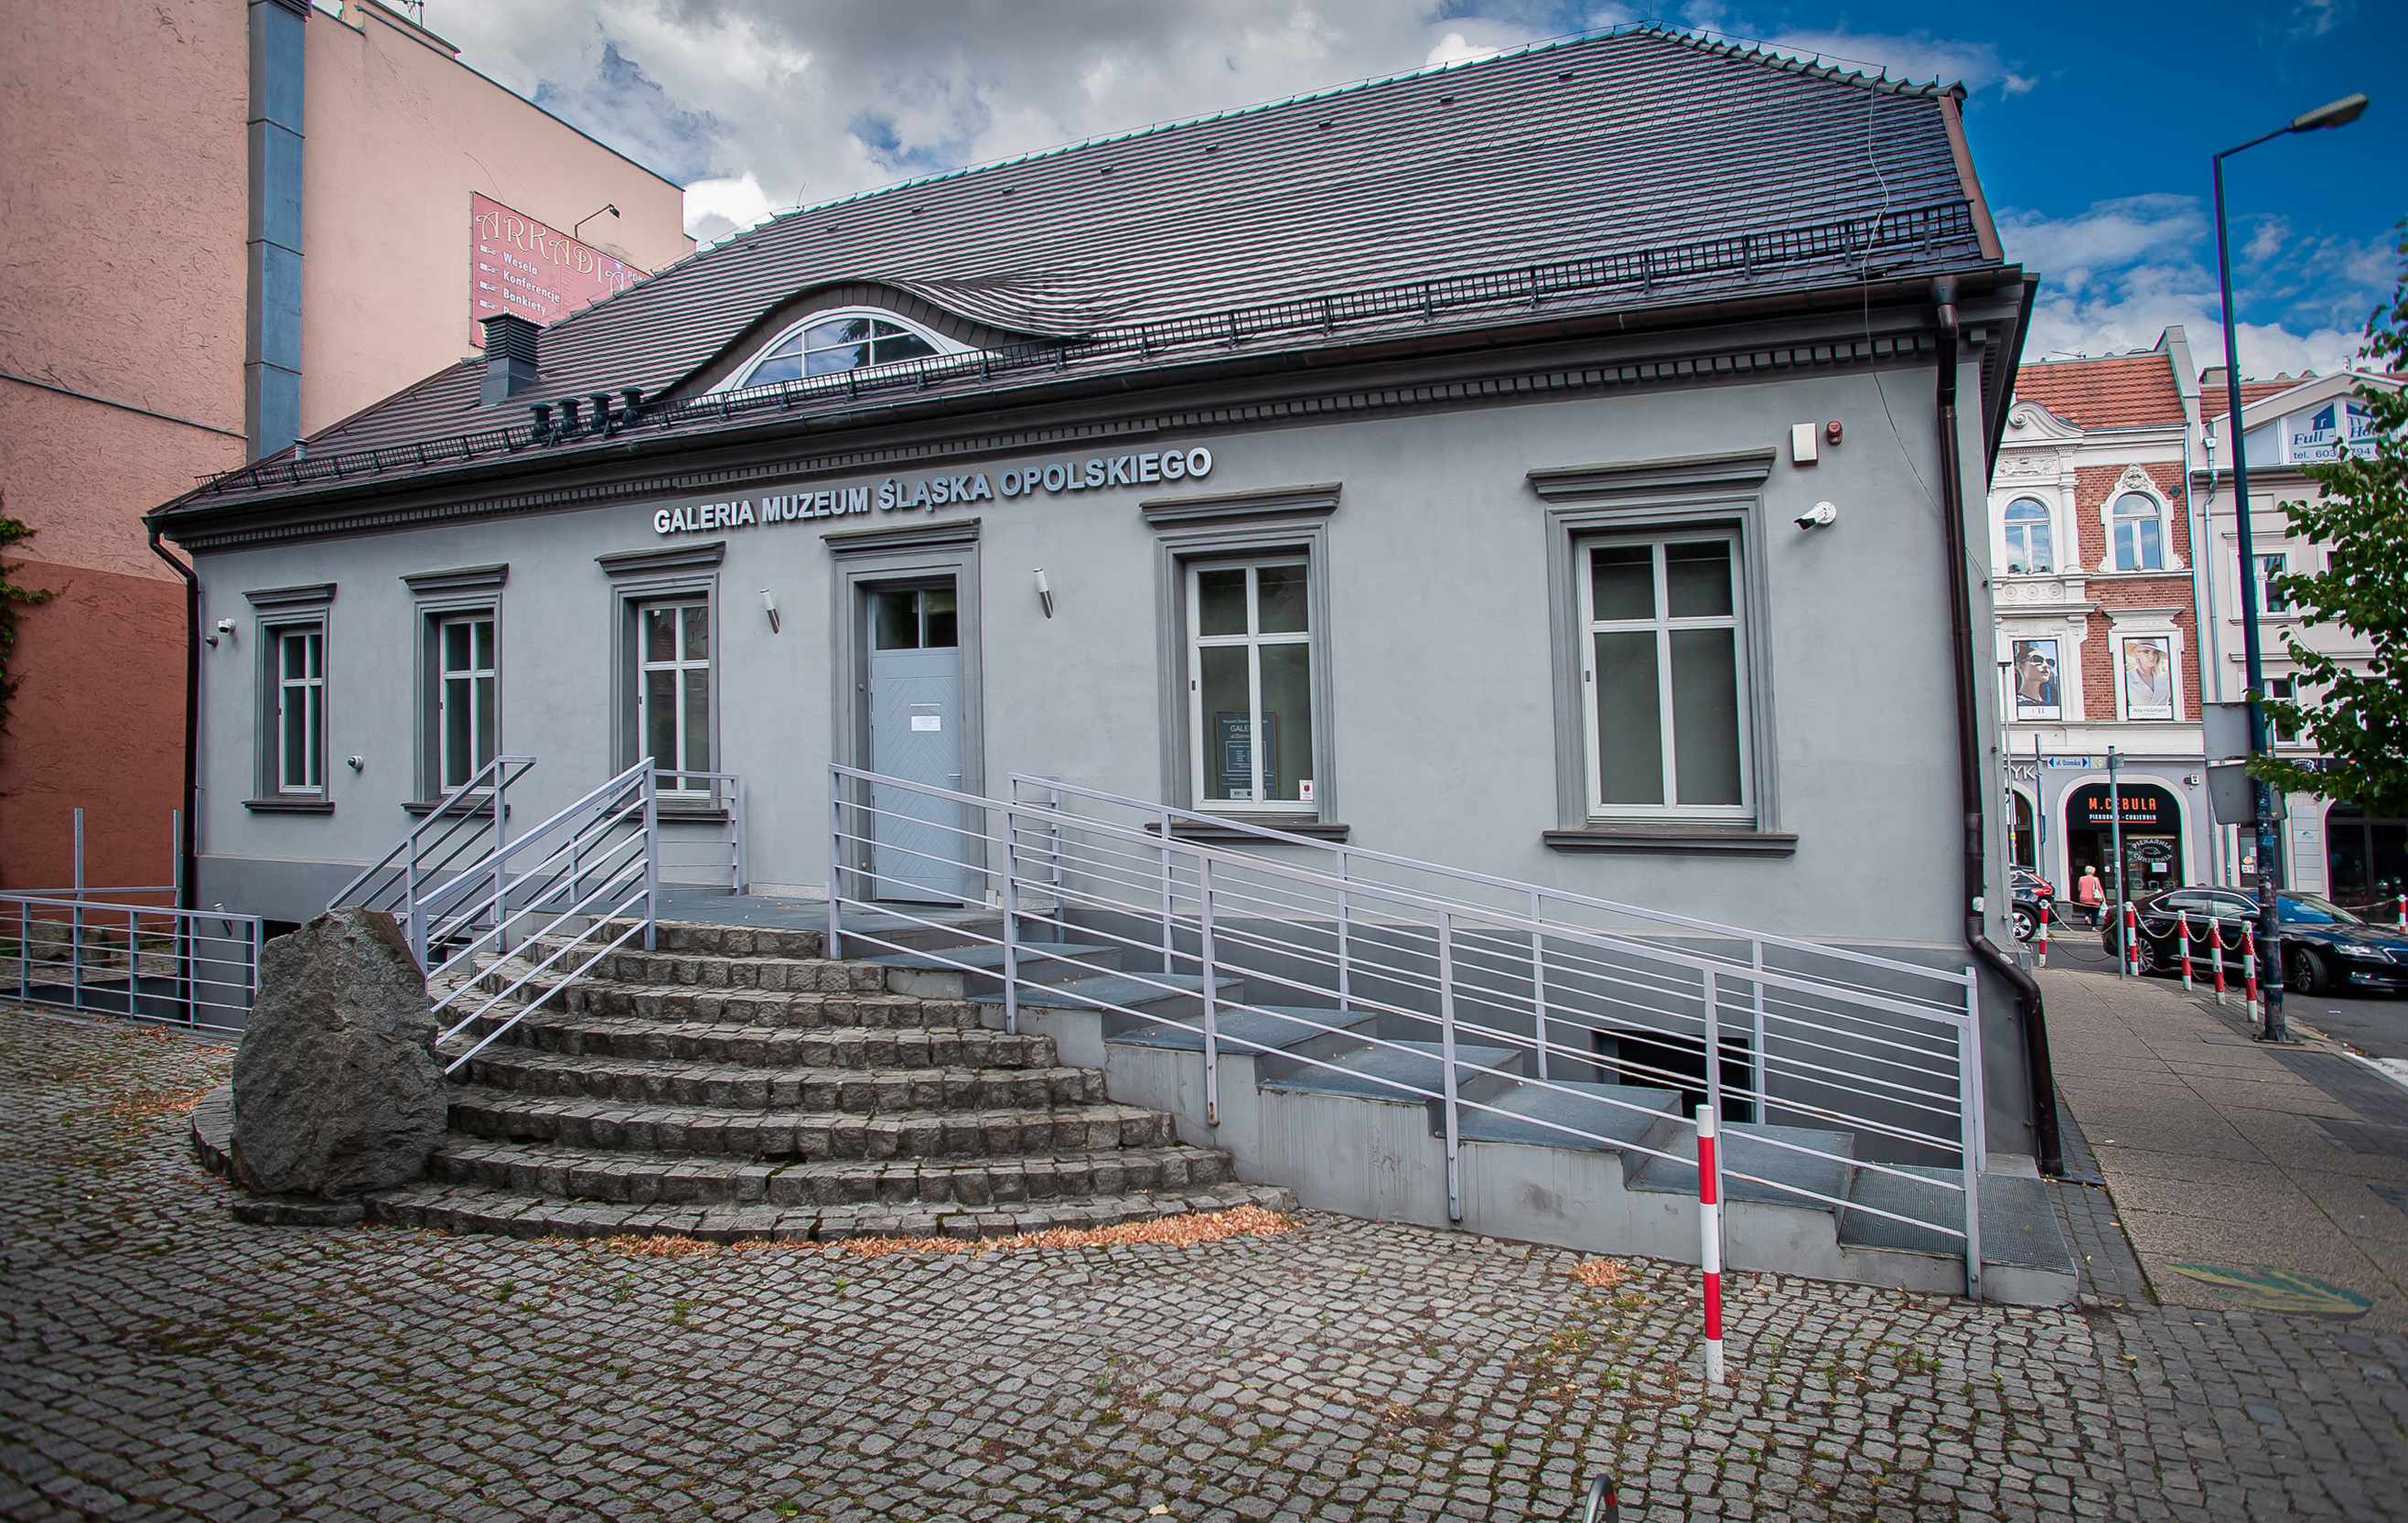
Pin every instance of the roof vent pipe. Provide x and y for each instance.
(509, 357)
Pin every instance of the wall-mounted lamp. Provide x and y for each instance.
(588, 217)
(1044, 594)
(770, 606)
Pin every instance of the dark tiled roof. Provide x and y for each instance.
(2123, 391)
(1641, 167)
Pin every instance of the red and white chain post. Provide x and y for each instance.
(2044, 931)
(1710, 1239)
(2249, 970)
(2132, 940)
(2182, 929)
(2216, 951)
(2403, 911)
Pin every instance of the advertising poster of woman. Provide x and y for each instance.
(2035, 678)
(2148, 677)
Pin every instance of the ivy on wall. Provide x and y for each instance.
(12, 597)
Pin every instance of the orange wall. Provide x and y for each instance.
(399, 136)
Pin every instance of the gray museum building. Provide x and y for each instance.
(1566, 466)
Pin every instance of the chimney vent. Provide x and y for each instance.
(509, 357)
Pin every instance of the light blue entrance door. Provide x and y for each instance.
(915, 733)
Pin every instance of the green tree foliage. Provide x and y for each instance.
(12, 597)
(2358, 720)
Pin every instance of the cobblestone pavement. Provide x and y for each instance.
(163, 1361)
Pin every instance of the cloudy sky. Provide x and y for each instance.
(2092, 123)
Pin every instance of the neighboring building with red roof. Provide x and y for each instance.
(2092, 537)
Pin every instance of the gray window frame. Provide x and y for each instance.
(278, 612)
(640, 578)
(1648, 498)
(442, 596)
(1278, 523)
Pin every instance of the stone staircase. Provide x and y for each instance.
(736, 1084)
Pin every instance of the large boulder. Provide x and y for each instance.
(335, 1087)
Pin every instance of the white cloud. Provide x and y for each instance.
(716, 208)
(2116, 276)
(1451, 48)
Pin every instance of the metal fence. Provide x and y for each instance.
(144, 962)
(1513, 986)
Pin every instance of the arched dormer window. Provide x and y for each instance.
(826, 342)
(2030, 542)
(2137, 527)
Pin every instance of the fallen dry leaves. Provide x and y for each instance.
(1173, 1231)
(142, 1107)
(1600, 1273)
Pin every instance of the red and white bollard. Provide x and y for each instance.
(2044, 931)
(1710, 1239)
(2249, 970)
(2403, 911)
(2215, 950)
(2132, 940)
(2182, 929)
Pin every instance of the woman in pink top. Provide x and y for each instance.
(2094, 899)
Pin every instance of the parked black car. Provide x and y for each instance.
(2324, 945)
(2031, 893)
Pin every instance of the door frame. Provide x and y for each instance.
(861, 560)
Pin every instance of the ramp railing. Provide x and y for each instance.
(1514, 988)
(149, 963)
(463, 833)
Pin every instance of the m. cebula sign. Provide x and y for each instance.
(928, 493)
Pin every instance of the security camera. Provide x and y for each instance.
(225, 626)
(1820, 516)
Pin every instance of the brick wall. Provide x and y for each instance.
(2094, 486)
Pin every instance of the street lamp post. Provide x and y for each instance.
(2270, 876)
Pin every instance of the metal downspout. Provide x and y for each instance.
(192, 720)
(2036, 1071)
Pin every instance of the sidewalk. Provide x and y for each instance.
(2233, 1158)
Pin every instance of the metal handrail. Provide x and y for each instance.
(201, 979)
(1347, 854)
(1826, 1050)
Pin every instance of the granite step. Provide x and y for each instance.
(529, 1073)
(756, 1009)
(955, 972)
(699, 970)
(569, 1173)
(470, 1208)
(707, 940)
(637, 1038)
(621, 1126)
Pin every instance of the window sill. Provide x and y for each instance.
(290, 806)
(1677, 840)
(1214, 835)
(481, 808)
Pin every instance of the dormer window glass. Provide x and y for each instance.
(837, 342)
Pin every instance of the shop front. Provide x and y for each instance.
(2151, 835)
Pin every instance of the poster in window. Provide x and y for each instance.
(1235, 751)
(2037, 696)
(2148, 671)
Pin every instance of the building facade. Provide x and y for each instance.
(275, 230)
(1550, 520)
(2329, 846)
(2093, 534)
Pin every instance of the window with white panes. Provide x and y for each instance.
(673, 681)
(466, 696)
(300, 738)
(2269, 567)
(1664, 678)
(2030, 543)
(1250, 684)
(2137, 526)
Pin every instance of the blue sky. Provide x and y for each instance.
(2092, 125)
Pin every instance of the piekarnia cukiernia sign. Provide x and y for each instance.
(929, 492)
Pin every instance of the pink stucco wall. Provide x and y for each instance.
(125, 172)
(400, 134)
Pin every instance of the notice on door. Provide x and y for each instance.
(927, 722)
